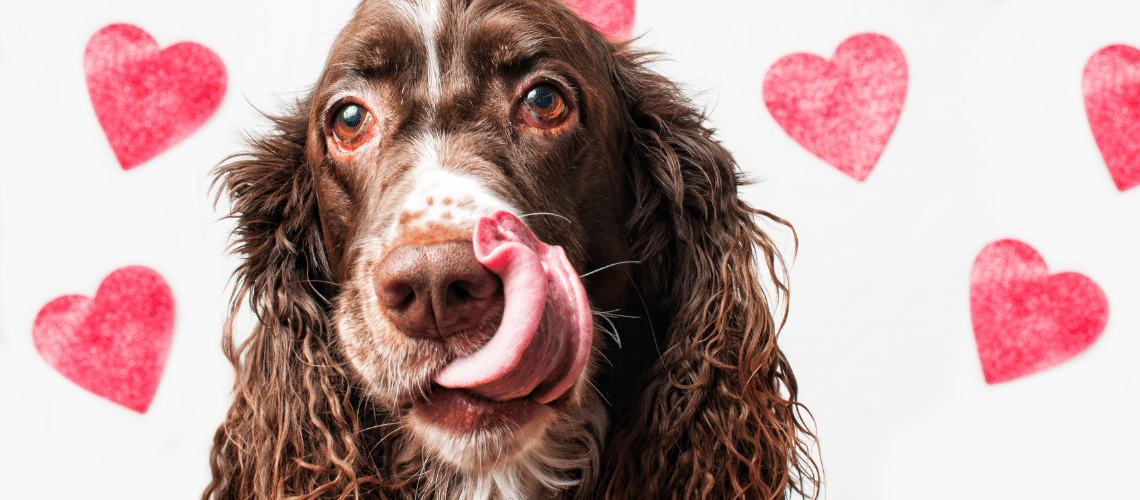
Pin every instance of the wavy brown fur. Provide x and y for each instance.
(718, 416)
(292, 431)
(713, 416)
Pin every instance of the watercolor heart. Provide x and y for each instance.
(1111, 86)
(147, 99)
(612, 17)
(1026, 320)
(116, 344)
(843, 110)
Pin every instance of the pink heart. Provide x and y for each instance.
(147, 99)
(612, 17)
(1111, 85)
(116, 344)
(843, 110)
(1026, 320)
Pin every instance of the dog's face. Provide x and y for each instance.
(431, 116)
(461, 184)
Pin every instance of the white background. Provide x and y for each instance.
(992, 143)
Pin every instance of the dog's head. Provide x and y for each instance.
(414, 235)
(435, 131)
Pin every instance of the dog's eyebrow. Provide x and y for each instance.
(383, 55)
(380, 47)
(507, 49)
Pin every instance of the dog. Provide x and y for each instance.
(494, 255)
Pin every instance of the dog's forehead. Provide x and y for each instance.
(433, 38)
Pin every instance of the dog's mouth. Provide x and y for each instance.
(541, 346)
(463, 411)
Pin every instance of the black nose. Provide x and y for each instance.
(435, 290)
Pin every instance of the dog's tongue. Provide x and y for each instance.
(543, 342)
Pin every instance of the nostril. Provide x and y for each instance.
(462, 293)
(459, 291)
(479, 286)
(394, 294)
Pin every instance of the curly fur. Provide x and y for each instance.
(718, 416)
(699, 402)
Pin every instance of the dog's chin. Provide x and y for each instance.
(475, 433)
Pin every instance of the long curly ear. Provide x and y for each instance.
(291, 396)
(717, 416)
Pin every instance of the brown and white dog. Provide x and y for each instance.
(493, 255)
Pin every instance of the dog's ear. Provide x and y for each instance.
(291, 430)
(717, 416)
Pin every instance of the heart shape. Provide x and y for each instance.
(147, 99)
(1026, 320)
(114, 345)
(1111, 86)
(612, 17)
(843, 110)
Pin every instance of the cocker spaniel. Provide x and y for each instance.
(493, 255)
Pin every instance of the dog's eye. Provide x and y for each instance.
(543, 107)
(351, 124)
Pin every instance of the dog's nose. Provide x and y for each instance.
(435, 290)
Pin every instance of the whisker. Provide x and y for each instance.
(599, 392)
(389, 434)
(609, 266)
(613, 314)
(377, 426)
(563, 217)
(648, 319)
(311, 281)
(612, 333)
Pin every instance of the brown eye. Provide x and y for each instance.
(543, 107)
(351, 124)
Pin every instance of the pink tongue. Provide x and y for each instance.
(543, 342)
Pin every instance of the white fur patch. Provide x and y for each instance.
(441, 195)
(425, 16)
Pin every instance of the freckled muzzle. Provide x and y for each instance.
(543, 342)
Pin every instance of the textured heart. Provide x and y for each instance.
(114, 345)
(612, 17)
(1026, 320)
(1111, 84)
(843, 110)
(147, 99)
